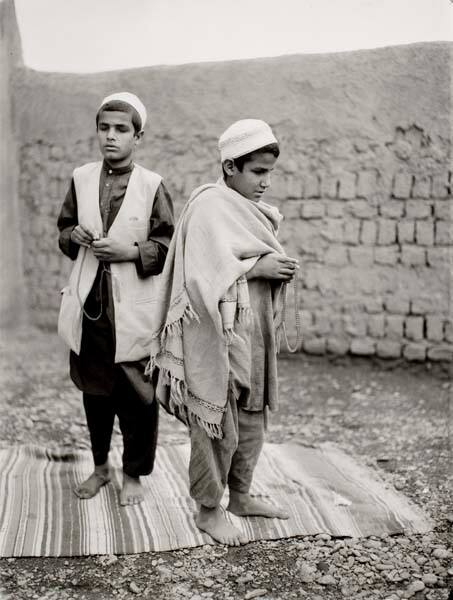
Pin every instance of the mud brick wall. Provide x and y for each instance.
(376, 260)
(363, 180)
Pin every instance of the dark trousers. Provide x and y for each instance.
(138, 423)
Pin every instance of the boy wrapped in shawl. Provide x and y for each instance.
(215, 348)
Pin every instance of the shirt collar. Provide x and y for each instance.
(117, 170)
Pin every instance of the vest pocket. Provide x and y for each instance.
(69, 321)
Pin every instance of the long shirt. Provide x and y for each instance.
(94, 370)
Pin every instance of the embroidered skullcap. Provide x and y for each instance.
(130, 99)
(243, 137)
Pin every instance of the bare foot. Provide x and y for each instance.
(132, 492)
(213, 522)
(91, 486)
(244, 505)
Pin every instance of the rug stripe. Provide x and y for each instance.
(7, 463)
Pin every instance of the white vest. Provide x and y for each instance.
(133, 297)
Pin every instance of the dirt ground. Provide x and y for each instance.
(398, 418)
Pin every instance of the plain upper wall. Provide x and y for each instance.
(368, 92)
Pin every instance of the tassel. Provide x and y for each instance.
(245, 315)
(151, 365)
(190, 314)
(177, 403)
(230, 335)
(213, 430)
(174, 329)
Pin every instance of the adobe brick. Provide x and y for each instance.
(321, 324)
(386, 232)
(363, 346)
(312, 209)
(368, 233)
(434, 328)
(386, 255)
(333, 230)
(335, 208)
(440, 257)
(361, 257)
(413, 256)
(373, 304)
(363, 209)
(424, 232)
(414, 328)
(394, 326)
(314, 345)
(366, 184)
(393, 208)
(397, 305)
(402, 185)
(312, 186)
(338, 345)
(448, 331)
(440, 188)
(337, 255)
(444, 233)
(425, 305)
(443, 352)
(414, 352)
(422, 186)
(347, 188)
(388, 349)
(351, 231)
(356, 324)
(291, 209)
(405, 231)
(418, 209)
(329, 185)
(376, 325)
(443, 209)
(294, 187)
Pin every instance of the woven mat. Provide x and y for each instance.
(323, 489)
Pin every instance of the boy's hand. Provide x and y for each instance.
(110, 250)
(81, 235)
(274, 266)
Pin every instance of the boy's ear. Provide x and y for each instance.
(228, 166)
(139, 137)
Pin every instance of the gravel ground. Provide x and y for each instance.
(396, 418)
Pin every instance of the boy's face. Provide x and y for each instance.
(255, 177)
(116, 136)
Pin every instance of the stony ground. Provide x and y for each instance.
(396, 418)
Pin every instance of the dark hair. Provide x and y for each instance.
(241, 160)
(121, 106)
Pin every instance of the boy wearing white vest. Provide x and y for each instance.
(115, 224)
(221, 295)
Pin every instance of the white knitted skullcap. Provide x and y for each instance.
(243, 137)
(130, 99)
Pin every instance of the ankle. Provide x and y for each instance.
(102, 469)
(207, 511)
(127, 477)
(236, 496)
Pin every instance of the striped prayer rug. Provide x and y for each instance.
(323, 489)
